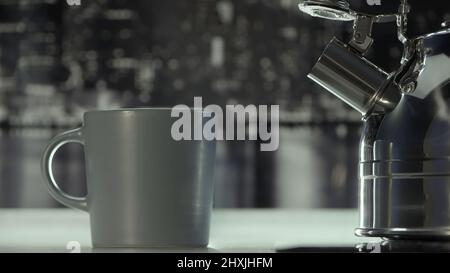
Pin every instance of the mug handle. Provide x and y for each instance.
(57, 142)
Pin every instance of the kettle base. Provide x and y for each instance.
(441, 234)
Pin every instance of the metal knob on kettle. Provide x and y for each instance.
(328, 9)
(404, 164)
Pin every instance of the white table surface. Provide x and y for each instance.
(232, 230)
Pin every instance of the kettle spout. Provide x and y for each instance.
(355, 80)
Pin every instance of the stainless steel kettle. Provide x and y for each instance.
(404, 185)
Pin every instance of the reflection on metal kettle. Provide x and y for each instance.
(405, 145)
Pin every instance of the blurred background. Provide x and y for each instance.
(57, 61)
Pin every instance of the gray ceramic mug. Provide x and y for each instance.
(144, 189)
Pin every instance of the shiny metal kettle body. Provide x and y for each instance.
(405, 155)
(404, 185)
